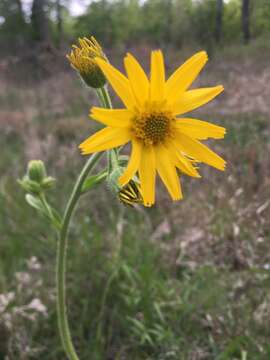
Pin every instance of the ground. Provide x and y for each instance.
(186, 280)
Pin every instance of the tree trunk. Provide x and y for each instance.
(20, 9)
(59, 22)
(219, 20)
(245, 20)
(39, 21)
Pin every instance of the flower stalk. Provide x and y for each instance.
(62, 255)
(63, 244)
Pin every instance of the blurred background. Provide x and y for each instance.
(187, 280)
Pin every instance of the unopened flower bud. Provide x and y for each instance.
(36, 171)
(129, 194)
(36, 180)
(30, 186)
(48, 183)
(82, 59)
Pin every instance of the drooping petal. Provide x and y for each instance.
(199, 129)
(138, 79)
(157, 81)
(199, 151)
(183, 77)
(105, 139)
(192, 99)
(119, 118)
(167, 172)
(147, 173)
(186, 166)
(181, 162)
(133, 164)
(118, 81)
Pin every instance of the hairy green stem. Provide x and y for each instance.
(63, 243)
(55, 222)
(105, 100)
(61, 259)
(104, 97)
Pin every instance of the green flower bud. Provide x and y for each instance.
(48, 183)
(30, 186)
(36, 171)
(36, 180)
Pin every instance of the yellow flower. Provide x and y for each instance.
(83, 60)
(161, 141)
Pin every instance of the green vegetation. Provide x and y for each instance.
(122, 22)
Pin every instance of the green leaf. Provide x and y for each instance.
(57, 219)
(49, 212)
(56, 215)
(36, 203)
(93, 181)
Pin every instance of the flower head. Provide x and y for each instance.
(162, 141)
(82, 59)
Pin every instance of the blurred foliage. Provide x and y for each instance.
(119, 22)
(13, 26)
(161, 21)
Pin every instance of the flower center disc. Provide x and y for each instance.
(152, 128)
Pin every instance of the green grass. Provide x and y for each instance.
(151, 309)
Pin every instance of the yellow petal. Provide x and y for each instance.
(105, 139)
(133, 164)
(183, 77)
(199, 151)
(112, 117)
(157, 82)
(138, 79)
(118, 81)
(199, 129)
(167, 172)
(193, 99)
(186, 166)
(181, 162)
(147, 173)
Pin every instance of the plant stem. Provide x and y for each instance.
(64, 330)
(105, 100)
(104, 96)
(55, 222)
(61, 259)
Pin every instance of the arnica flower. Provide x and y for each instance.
(162, 142)
(83, 60)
